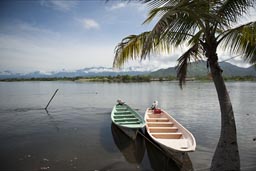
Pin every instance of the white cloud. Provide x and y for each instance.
(26, 55)
(140, 7)
(90, 24)
(21, 53)
(133, 5)
(40, 49)
(117, 6)
(61, 5)
(37, 49)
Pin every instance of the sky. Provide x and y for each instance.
(55, 35)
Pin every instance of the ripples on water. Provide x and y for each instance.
(76, 133)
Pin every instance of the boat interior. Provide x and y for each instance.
(162, 127)
(124, 116)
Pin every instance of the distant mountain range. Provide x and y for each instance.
(86, 72)
(197, 69)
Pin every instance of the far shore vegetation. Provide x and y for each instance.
(127, 78)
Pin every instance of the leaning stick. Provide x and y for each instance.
(51, 99)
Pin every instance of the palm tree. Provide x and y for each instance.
(204, 26)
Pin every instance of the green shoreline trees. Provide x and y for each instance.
(125, 78)
(204, 26)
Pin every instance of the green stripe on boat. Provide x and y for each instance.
(124, 116)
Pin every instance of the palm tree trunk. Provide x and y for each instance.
(226, 156)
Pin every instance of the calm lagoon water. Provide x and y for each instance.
(77, 134)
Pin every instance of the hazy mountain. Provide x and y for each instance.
(199, 69)
(194, 70)
(86, 72)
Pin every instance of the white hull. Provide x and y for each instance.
(168, 133)
(171, 160)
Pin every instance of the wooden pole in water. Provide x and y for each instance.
(51, 99)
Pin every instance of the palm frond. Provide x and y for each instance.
(161, 7)
(176, 25)
(156, 12)
(231, 10)
(194, 52)
(196, 38)
(130, 48)
(241, 40)
(175, 7)
(160, 3)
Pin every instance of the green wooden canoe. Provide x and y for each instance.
(127, 119)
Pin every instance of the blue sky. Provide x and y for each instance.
(51, 35)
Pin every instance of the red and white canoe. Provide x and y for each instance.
(167, 132)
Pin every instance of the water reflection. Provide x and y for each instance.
(53, 122)
(162, 160)
(132, 150)
(84, 122)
